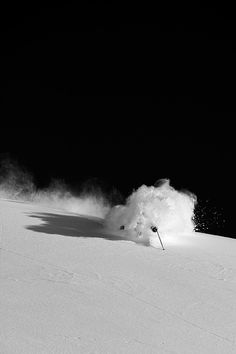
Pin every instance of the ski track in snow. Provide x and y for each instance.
(57, 274)
(130, 298)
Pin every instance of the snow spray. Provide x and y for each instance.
(16, 183)
(160, 206)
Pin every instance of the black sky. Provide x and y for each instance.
(128, 95)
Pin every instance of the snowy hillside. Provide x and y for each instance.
(68, 286)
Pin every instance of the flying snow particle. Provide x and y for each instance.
(160, 206)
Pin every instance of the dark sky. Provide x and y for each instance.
(128, 95)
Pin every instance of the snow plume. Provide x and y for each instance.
(58, 196)
(17, 183)
(171, 211)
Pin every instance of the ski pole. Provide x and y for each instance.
(155, 229)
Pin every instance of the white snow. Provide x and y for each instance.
(68, 286)
(161, 207)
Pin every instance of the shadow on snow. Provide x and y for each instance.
(73, 226)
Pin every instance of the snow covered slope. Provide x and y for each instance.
(66, 286)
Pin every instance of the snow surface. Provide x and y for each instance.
(68, 286)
